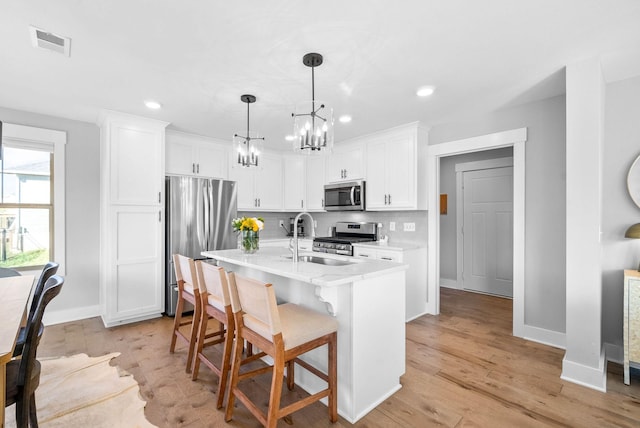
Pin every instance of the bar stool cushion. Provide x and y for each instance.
(299, 325)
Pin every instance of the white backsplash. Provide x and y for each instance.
(272, 230)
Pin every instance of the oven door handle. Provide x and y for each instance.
(352, 195)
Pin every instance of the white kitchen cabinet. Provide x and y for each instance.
(346, 163)
(132, 217)
(193, 155)
(294, 183)
(315, 183)
(259, 188)
(412, 255)
(394, 181)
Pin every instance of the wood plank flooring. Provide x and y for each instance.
(464, 369)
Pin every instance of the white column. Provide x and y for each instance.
(584, 358)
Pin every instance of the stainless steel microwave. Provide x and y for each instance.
(345, 196)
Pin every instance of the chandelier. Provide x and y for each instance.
(312, 121)
(248, 147)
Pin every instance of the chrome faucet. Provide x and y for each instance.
(293, 243)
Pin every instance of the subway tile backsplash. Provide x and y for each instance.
(325, 220)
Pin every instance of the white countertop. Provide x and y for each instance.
(273, 260)
(396, 246)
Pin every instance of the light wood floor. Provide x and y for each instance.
(464, 369)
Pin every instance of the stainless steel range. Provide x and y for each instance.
(347, 233)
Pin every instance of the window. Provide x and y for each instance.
(26, 207)
(31, 197)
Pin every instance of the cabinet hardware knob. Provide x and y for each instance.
(159, 197)
(193, 168)
(198, 169)
(160, 216)
(389, 199)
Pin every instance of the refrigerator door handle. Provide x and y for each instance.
(207, 213)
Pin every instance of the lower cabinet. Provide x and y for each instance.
(136, 263)
(631, 323)
(416, 277)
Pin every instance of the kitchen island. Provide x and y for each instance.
(367, 297)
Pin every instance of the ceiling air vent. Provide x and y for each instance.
(53, 42)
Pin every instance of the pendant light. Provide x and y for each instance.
(312, 121)
(248, 147)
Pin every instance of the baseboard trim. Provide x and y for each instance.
(590, 377)
(449, 283)
(614, 353)
(544, 336)
(68, 315)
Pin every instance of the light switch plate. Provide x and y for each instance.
(409, 227)
(392, 226)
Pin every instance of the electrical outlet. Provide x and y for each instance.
(409, 227)
(281, 223)
(392, 226)
(315, 224)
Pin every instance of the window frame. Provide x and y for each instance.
(54, 141)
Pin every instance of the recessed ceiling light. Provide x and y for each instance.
(289, 138)
(153, 105)
(425, 91)
(345, 118)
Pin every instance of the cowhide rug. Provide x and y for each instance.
(81, 391)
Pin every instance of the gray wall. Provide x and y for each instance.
(82, 163)
(545, 199)
(621, 147)
(448, 234)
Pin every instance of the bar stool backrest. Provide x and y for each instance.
(257, 301)
(213, 281)
(185, 273)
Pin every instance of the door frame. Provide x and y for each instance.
(460, 169)
(515, 138)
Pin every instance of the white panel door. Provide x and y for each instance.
(246, 192)
(136, 166)
(294, 183)
(268, 183)
(137, 284)
(488, 231)
(315, 183)
(180, 157)
(211, 161)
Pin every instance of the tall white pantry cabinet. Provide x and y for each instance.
(131, 217)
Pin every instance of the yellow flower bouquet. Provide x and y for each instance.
(249, 228)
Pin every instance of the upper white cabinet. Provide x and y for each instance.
(295, 182)
(303, 183)
(394, 181)
(131, 217)
(315, 183)
(346, 163)
(259, 188)
(189, 154)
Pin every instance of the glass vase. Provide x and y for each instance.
(249, 241)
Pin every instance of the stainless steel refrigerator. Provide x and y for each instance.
(198, 218)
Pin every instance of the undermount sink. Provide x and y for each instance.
(322, 260)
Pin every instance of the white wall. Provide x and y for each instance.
(80, 293)
(621, 147)
(545, 204)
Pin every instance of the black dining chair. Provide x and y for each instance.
(48, 271)
(23, 374)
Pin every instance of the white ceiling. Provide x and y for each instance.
(197, 57)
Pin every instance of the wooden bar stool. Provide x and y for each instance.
(216, 304)
(188, 291)
(284, 333)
